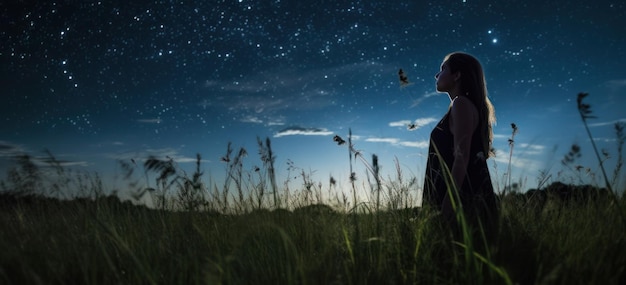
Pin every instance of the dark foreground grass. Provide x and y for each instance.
(45, 241)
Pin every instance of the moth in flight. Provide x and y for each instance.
(338, 140)
(404, 80)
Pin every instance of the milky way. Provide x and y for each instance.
(97, 81)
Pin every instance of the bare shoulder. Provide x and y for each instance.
(464, 108)
(464, 114)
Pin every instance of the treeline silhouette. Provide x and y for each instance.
(561, 193)
(35, 201)
(557, 192)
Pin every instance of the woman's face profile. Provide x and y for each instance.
(445, 79)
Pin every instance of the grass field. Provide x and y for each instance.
(252, 231)
(46, 241)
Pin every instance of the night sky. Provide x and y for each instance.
(98, 81)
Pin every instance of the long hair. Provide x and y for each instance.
(474, 86)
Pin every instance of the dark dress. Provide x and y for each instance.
(477, 196)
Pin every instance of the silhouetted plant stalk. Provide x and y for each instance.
(234, 173)
(25, 178)
(621, 139)
(569, 161)
(585, 113)
(376, 172)
(47, 176)
(237, 174)
(341, 141)
(268, 159)
(191, 191)
(398, 190)
(259, 187)
(511, 146)
(312, 192)
(357, 154)
(308, 187)
(226, 159)
(62, 180)
(165, 179)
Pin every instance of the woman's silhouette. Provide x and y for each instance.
(461, 143)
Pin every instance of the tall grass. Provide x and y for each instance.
(250, 231)
(585, 113)
(509, 169)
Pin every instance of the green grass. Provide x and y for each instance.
(105, 242)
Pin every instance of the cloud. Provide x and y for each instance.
(163, 153)
(276, 122)
(418, 123)
(267, 120)
(520, 163)
(251, 119)
(611, 123)
(532, 149)
(398, 142)
(392, 141)
(615, 84)
(424, 97)
(49, 161)
(11, 150)
(281, 88)
(425, 121)
(295, 130)
(402, 123)
(150, 121)
(415, 144)
(268, 92)
(500, 136)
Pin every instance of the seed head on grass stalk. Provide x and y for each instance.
(225, 159)
(268, 158)
(341, 141)
(234, 173)
(191, 190)
(569, 161)
(585, 113)
(167, 177)
(357, 154)
(621, 139)
(511, 145)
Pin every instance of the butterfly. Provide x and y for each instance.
(404, 81)
(338, 140)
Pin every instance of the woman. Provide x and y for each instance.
(460, 145)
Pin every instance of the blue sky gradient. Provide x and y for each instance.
(97, 82)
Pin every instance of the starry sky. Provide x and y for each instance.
(95, 82)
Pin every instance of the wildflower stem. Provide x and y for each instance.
(584, 111)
